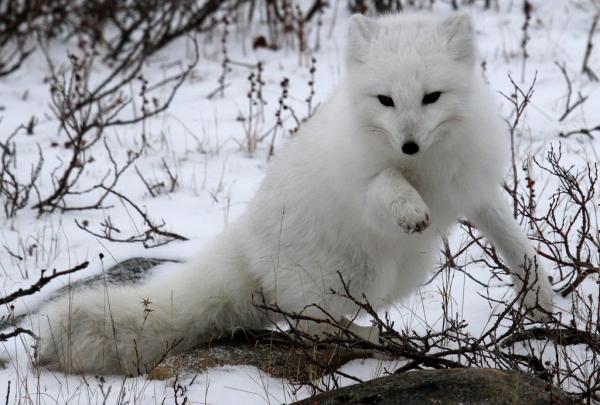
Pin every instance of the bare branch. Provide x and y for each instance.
(585, 68)
(41, 282)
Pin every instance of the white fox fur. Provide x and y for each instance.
(340, 197)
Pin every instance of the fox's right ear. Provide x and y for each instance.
(361, 30)
(461, 37)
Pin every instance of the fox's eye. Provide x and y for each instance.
(386, 101)
(431, 97)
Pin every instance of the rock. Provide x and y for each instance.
(449, 386)
(272, 352)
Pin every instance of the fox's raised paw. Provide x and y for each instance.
(412, 217)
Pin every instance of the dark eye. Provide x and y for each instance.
(386, 101)
(431, 97)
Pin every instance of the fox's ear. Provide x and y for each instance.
(461, 37)
(361, 30)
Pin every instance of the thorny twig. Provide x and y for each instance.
(85, 114)
(569, 106)
(32, 289)
(151, 237)
(585, 68)
(14, 193)
(519, 99)
(41, 282)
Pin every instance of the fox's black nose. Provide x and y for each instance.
(410, 148)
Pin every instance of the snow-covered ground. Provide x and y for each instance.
(201, 140)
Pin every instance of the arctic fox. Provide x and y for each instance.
(410, 141)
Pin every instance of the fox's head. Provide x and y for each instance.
(410, 77)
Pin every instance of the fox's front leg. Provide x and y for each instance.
(496, 222)
(391, 199)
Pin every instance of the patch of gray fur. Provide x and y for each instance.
(130, 271)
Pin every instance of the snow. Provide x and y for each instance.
(199, 139)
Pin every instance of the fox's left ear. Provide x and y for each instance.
(461, 37)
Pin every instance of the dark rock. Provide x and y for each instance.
(444, 387)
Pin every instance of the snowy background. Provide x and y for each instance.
(198, 150)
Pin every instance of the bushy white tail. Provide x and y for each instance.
(128, 329)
